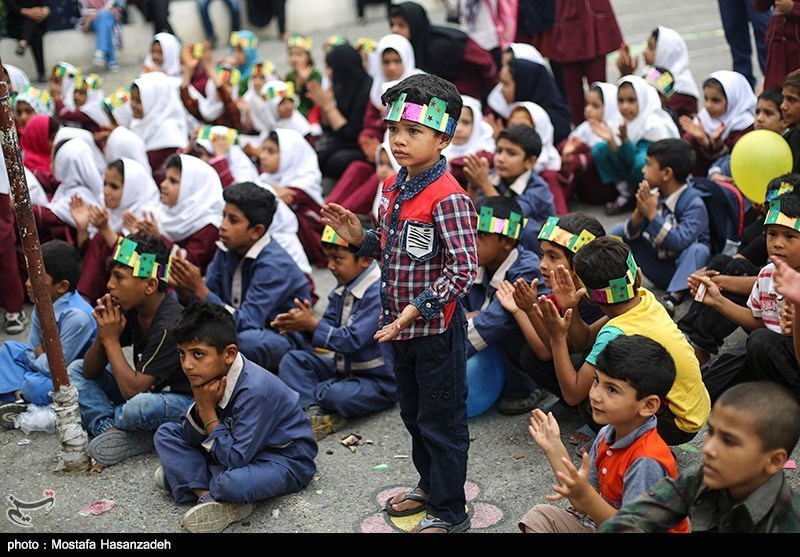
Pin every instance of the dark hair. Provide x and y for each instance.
(524, 137)
(715, 83)
(208, 323)
(257, 203)
(773, 409)
(601, 261)
(174, 161)
(676, 154)
(145, 243)
(501, 207)
(119, 166)
(599, 92)
(273, 136)
(62, 262)
(419, 88)
(792, 80)
(52, 130)
(773, 95)
(575, 223)
(654, 34)
(367, 223)
(641, 362)
(57, 147)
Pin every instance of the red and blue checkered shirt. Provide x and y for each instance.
(425, 244)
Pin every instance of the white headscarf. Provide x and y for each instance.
(123, 143)
(164, 122)
(284, 229)
(208, 104)
(527, 52)
(495, 99)
(139, 194)
(403, 47)
(68, 132)
(199, 203)
(170, 53)
(93, 109)
(68, 84)
(298, 167)
(296, 121)
(673, 54)
(741, 112)
(241, 167)
(260, 115)
(19, 79)
(385, 147)
(610, 116)
(480, 138)
(74, 168)
(548, 159)
(652, 122)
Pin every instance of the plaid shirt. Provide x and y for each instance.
(773, 507)
(431, 277)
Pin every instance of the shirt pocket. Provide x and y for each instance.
(419, 240)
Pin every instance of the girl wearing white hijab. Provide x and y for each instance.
(282, 109)
(86, 137)
(524, 51)
(672, 53)
(253, 104)
(123, 143)
(164, 55)
(284, 229)
(74, 167)
(62, 81)
(536, 116)
(17, 79)
(474, 136)
(290, 165)
(642, 121)
(90, 115)
(728, 113)
(230, 162)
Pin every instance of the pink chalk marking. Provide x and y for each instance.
(376, 524)
(471, 490)
(486, 515)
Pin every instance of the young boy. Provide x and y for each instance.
(426, 247)
(740, 487)
(244, 439)
(251, 276)
(610, 278)
(790, 110)
(633, 376)
(769, 354)
(24, 371)
(122, 404)
(515, 155)
(500, 258)
(670, 242)
(354, 376)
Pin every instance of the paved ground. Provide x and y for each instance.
(507, 472)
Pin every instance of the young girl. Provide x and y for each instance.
(256, 117)
(217, 146)
(303, 71)
(36, 145)
(88, 113)
(122, 143)
(289, 164)
(495, 100)
(28, 103)
(159, 119)
(127, 188)
(164, 55)
(386, 165)
(578, 172)
(728, 113)
(62, 83)
(642, 122)
(244, 53)
(208, 94)
(281, 104)
(473, 136)
(67, 132)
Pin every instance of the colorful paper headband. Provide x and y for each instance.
(785, 187)
(263, 68)
(278, 92)
(209, 132)
(432, 115)
(229, 75)
(144, 265)
(300, 41)
(329, 236)
(511, 227)
(365, 45)
(40, 95)
(554, 233)
(248, 41)
(62, 70)
(662, 79)
(116, 99)
(336, 40)
(91, 81)
(618, 290)
(774, 216)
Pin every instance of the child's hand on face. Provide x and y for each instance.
(207, 395)
(344, 222)
(505, 295)
(545, 431)
(110, 319)
(556, 325)
(564, 289)
(525, 294)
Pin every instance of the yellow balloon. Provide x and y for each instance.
(758, 157)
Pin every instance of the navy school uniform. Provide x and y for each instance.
(536, 200)
(262, 448)
(358, 379)
(255, 290)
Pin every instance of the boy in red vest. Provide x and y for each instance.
(426, 248)
(633, 376)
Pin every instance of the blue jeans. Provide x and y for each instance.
(103, 406)
(431, 376)
(233, 6)
(737, 17)
(103, 25)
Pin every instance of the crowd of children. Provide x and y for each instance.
(181, 216)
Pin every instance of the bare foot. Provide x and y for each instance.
(399, 505)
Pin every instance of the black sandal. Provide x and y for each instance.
(412, 495)
(434, 522)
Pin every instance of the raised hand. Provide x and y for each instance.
(476, 169)
(344, 222)
(545, 431)
(525, 294)
(602, 130)
(573, 483)
(79, 212)
(564, 290)
(556, 325)
(787, 280)
(505, 295)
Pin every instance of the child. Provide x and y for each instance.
(28, 103)
(515, 156)
(740, 487)
(632, 379)
(281, 109)
(790, 109)
(781, 39)
(610, 278)
(474, 136)
(217, 146)
(62, 83)
(354, 377)
(244, 439)
(123, 403)
(728, 114)
(24, 370)
(303, 71)
(500, 258)
(251, 276)
(205, 93)
(164, 55)
(244, 53)
(427, 243)
(36, 145)
(88, 113)
(671, 241)
(496, 100)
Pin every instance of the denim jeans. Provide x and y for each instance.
(103, 25)
(431, 376)
(103, 406)
(233, 6)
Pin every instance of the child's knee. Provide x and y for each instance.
(166, 436)
(292, 362)
(75, 372)
(36, 392)
(760, 342)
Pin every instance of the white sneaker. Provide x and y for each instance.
(15, 322)
(113, 67)
(99, 58)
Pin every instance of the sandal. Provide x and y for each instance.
(433, 522)
(412, 495)
(583, 448)
(582, 435)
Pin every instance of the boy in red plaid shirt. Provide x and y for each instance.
(426, 248)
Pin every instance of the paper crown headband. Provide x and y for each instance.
(329, 236)
(91, 81)
(263, 68)
(618, 290)
(662, 79)
(774, 216)
(554, 233)
(116, 99)
(279, 90)
(209, 132)
(229, 75)
(247, 41)
(365, 45)
(144, 265)
(41, 95)
(300, 41)
(432, 115)
(62, 70)
(335, 40)
(785, 187)
(511, 227)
